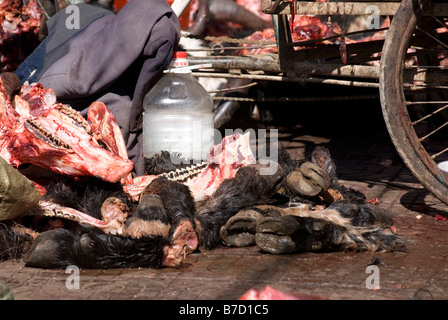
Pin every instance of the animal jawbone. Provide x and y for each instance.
(38, 130)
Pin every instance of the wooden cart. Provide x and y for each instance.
(409, 67)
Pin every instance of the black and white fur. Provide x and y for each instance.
(353, 224)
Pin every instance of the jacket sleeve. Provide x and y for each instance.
(98, 55)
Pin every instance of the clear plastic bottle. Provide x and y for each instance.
(178, 114)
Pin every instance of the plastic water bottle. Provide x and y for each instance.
(178, 115)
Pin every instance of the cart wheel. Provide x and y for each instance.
(414, 92)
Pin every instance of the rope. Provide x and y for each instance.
(43, 9)
(296, 99)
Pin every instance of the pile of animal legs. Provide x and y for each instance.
(96, 217)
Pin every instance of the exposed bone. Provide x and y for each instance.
(45, 135)
(77, 118)
(54, 137)
(50, 97)
(225, 159)
(106, 129)
(114, 209)
(184, 242)
(184, 174)
(50, 209)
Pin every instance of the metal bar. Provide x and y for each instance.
(346, 8)
(426, 102)
(265, 63)
(252, 84)
(432, 132)
(296, 67)
(428, 76)
(270, 64)
(429, 115)
(439, 153)
(421, 87)
(349, 83)
(348, 34)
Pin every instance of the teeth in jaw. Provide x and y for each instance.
(75, 116)
(185, 173)
(60, 214)
(46, 135)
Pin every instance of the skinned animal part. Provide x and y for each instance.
(223, 161)
(38, 130)
(342, 226)
(112, 225)
(167, 225)
(160, 231)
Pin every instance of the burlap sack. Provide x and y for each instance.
(17, 193)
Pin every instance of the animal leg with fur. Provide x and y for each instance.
(247, 188)
(166, 208)
(340, 227)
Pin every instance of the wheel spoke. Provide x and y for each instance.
(439, 153)
(431, 36)
(432, 132)
(429, 115)
(425, 102)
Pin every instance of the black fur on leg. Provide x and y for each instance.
(151, 207)
(176, 198)
(246, 189)
(323, 233)
(87, 196)
(13, 242)
(162, 163)
(150, 218)
(91, 248)
(362, 215)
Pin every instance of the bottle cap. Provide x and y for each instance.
(180, 54)
(179, 64)
(179, 61)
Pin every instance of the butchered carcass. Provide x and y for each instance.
(40, 131)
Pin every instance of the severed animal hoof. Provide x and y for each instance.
(239, 231)
(114, 209)
(275, 244)
(279, 235)
(18, 195)
(11, 82)
(321, 157)
(285, 225)
(184, 241)
(308, 180)
(382, 216)
(44, 251)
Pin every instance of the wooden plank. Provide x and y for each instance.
(344, 8)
